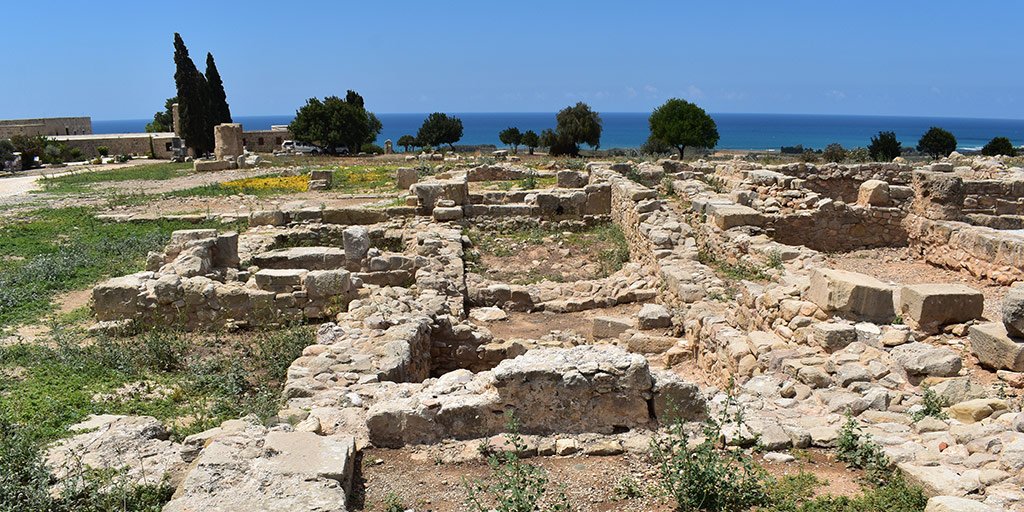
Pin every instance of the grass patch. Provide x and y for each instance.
(739, 271)
(261, 186)
(364, 179)
(80, 182)
(49, 251)
(193, 382)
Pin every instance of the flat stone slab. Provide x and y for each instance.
(733, 215)
(309, 258)
(851, 295)
(995, 348)
(928, 307)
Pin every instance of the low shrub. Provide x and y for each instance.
(933, 405)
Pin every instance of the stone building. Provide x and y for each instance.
(122, 143)
(266, 141)
(46, 126)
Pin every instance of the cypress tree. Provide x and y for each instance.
(219, 110)
(193, 100)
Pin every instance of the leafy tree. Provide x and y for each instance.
(680, 123)
(577, 125)
(558, 144)
(531, 140)
(30, 147)
(937, 142)
(163, 121)
(654, 146)
(834, 153)
(336, 122)
(884, 147)
(999, 146)
(220, 112)
(511, 136)
(193, 96)
(407, 141)
(440, 129)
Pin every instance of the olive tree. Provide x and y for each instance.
(680, 123)
(531, 140)
(884, 147)
(577, 125)
(511, 136)
(439, 129)
(937, 142)
(407, 141)
(336, 122)
(999, 146)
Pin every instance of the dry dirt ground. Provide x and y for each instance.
(535, 325)
(898, 266)
(559, 257)
(591, 484)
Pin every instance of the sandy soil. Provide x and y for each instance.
(535, 325)
(589, 482)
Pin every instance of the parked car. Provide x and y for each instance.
(303, 148)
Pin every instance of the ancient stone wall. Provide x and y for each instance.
(983, 252)
(45, 126)
(841, 227)
(843, 181)
(264, 141)
(127, 144)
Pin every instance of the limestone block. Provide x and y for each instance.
(1013, 310)
(327, 283)
(356, 241)
(405, 177)
(653, 316)
(352, 216)
(851, 295)
(571, 179)
(732, 215)
(213, 165)
(116, 299)
(281, 280)
(928, 307)
(956, 504)
(922, 360)
(995, 348)
(609, 327)
(934, 480)
(227, 141)
(443, 214)
(972, 411)
(676, 399)
(833, 336)
(267, 218)
(873, 193)
(225, 251)
(309, 258)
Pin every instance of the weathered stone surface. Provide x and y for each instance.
(928, 307)
(995, 348)
(923, 360)
(934, 480)
(443, 214)
(873, 193)
(653, 316)
(851, 295)
(356, 241)
(609, 327)
(956, 504)
(115, 299)
(676, 399)
(1013, 310)
(733, 215)
(487, 314)
(138, 444)
(405, 177)
(327, 283)
(280, 280)
(976, 410)
(309, 258)
(833, 336)
(571, 179)
(242, 470)
(267, 218)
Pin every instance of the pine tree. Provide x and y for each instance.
(219, 110)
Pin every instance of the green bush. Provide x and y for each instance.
(514, 486)
(834, 153)
(371, 149)
(710, 476)
(999, 146)
(103, 150)
(884, 147)
(932, 406)
(859, 451)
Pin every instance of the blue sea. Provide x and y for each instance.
(737, 131)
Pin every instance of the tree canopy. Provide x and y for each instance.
(884, 147)
(336, 122)
(577, 125)
(407, 141)
(680, 123)
(163, 121)
(999, 146)
(220, 112)
(531, 140)
(439, 129)
(511, 136)
(834, 153)
(937, 142)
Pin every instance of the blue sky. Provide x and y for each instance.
(112, 60)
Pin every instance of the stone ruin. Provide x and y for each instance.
(404, 355)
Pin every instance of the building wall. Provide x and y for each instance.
(264, 141)
(122, 144)
(46, 126)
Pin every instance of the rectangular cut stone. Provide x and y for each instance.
(309, 258)
(996, 349)
(851, 295)
(928, 307)
(733, 215)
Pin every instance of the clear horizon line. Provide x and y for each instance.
(642, 112)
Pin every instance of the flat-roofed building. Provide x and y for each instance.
(50, 126)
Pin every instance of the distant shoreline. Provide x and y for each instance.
(628, 130)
